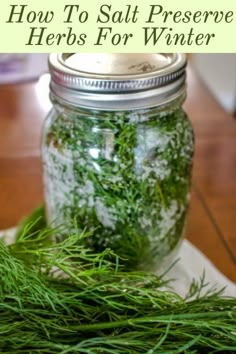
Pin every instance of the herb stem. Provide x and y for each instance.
(178, 318)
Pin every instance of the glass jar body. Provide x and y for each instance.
(124, 177)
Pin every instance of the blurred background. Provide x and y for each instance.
(218, 71)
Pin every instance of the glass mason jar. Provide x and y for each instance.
(117, 152)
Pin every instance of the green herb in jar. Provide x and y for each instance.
(117, 152)
(122, 176)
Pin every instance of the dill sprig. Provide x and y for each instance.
(66, 298)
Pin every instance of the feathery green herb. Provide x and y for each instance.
(64, 298)
(123, 176)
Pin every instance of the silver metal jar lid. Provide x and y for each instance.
(108, 81)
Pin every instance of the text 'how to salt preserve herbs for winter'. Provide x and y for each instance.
(157, 23)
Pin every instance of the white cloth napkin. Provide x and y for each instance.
(191, 264)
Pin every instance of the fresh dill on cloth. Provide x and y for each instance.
(65, 298)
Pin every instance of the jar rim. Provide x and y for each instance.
(118, 87)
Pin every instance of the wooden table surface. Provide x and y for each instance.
(212, 217)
